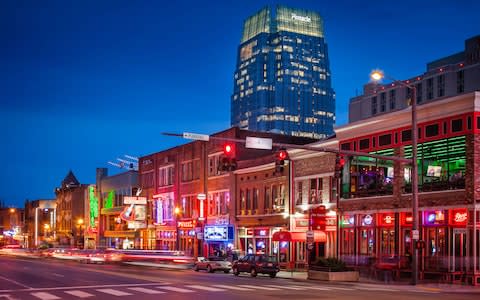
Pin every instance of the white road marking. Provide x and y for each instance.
(376, 289)
(205, 288)
(45, 296)
(114, 292)
(259, 287)
(79, 294)
(287, 287)
(230, 287)
(16, 282)
(174, 289)
(58, 275)
(146, 291)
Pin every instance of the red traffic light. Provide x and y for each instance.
(341, 162)
(229, 149)
(282, 155)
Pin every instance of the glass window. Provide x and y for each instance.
(469, 123)
(385, 139)
(392, 99)
(441, 86)
(383, 102)
(457, 125)
(431, 130)
(268, 199)
(406, 135)
(460, 82)
(364, 144)
(374, 105)
(429, 88)
(478, 122)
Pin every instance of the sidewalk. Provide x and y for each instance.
(366, 282)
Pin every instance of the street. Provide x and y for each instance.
(50, 279)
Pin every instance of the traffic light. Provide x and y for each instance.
(280, 156)
(228, 162)
(339, 163)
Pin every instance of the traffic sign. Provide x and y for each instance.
(196, 136)
(258, 143)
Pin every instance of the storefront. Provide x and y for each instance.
(186, 236)
(219, 240)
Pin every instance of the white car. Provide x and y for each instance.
(213, 264)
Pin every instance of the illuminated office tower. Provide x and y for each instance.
(282, 81)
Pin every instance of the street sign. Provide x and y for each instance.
(258, 143)
(196, 136)
(201, 196)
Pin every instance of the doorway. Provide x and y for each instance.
(459, 250)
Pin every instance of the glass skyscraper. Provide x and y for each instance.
(282, 82)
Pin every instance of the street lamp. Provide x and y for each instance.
(80, 232)
(378, 75)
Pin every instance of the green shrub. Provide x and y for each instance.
(333, 264)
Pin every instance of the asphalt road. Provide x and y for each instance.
(48, 279)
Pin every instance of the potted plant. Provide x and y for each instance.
(331, 269)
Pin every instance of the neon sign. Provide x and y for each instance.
(93, 206)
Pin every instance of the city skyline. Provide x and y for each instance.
(83, 84)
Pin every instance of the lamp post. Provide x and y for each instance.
(80, 232)
(377, 75)
(177, 231)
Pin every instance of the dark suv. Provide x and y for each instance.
(256, 263)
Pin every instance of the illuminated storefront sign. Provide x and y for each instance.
(93, 206)
(458, 217)
(347, 221)
(186, 224)
(367, 220)
(432, 218)
(134, 200)
(301, 18)
(387, 219)
(218, 233)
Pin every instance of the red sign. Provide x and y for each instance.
(458, 217)
(407, 218)
(318, 216)
(387, 219)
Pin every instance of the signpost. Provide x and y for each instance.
(196, 136)
(258, 143)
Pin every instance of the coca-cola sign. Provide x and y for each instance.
(318, 216)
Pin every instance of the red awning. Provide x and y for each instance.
(298, 236)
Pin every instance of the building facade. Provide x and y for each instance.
(446, 77)
(12, 226)
(116, 195)
(71, 197)
(282, 81)
(40, 223)
(376, 199)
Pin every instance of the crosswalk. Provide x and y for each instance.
(133, 290)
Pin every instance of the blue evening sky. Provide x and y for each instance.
(85, 82)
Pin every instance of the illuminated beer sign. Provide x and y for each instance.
(458, 217)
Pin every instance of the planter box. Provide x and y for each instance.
(333, 276)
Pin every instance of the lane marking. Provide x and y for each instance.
(206, 288)
(16, 282)
(79, 294)
(259, 287)
(58, 275)
(236, 288)
(79, 287)
(146, 291)
(114, 292)
(174, 289)
(287, 287)
(45, 296)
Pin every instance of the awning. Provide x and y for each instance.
(298, 236)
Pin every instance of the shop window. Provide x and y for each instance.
(406, 135)
(396, 138)
(345, 146)
(431, 130)
(384, 140)
(444, 127)
(373, 142)
(469, 123)
(457, 125)
(364, 144)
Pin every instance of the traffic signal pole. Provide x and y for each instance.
(204, 137)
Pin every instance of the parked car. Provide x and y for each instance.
(255, 264)
(213, 264)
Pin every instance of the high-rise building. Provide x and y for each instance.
(282, 81)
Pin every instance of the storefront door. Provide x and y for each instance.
(459, 250)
